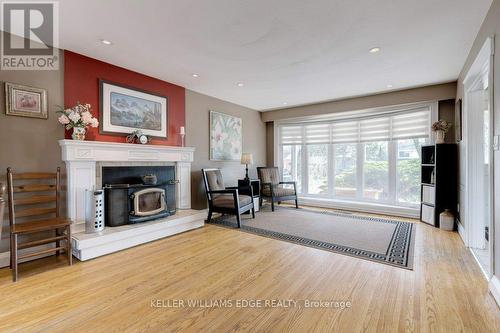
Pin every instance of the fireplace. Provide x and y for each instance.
(85, 161)
(131, 199)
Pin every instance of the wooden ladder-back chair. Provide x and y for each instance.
(33, 190)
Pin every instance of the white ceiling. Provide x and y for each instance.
(284, 51)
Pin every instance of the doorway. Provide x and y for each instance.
(478, 158)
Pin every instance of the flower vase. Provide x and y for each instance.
(440, 136)
(78, 133)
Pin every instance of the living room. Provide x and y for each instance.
(249, 166)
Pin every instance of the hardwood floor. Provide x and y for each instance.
(445, 293)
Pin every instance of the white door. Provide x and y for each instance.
(478, 166)
(478, 160)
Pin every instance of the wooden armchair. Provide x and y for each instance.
(47, 187)
(272, 188)
(226, 200)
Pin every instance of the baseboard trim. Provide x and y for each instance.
(478, 262)
(361, 207)
(461, 231)
(494, 287)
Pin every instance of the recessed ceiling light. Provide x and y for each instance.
(374, 49)
(240, 84)
(106, 42)
(196, 75)
(389, 86)
(285, 103)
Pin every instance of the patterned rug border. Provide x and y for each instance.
(399, 251)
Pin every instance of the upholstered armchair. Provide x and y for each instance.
(226, 200)
(271, 188)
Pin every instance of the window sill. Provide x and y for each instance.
(366, 207)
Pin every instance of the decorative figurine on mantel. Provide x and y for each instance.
(78, 118)
(137, 137)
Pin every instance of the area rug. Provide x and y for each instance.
(385, 241)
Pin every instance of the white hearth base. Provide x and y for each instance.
(112, 239)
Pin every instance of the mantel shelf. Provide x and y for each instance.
(73, 150)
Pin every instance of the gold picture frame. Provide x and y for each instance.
(25, 101)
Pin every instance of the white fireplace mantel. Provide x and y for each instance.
(98, 151)
(82, 157)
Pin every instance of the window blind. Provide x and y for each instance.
(345, 131)
(376, 129)
(291, 135)
(410, 124)
(317, 133)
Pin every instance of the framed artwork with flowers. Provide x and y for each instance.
(25, 101)
(225, 137)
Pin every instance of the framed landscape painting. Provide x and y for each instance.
(125, 110)
(25, 101)
(225, 137)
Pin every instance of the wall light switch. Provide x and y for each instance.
(496, 143)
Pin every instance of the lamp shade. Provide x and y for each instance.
(246, 158)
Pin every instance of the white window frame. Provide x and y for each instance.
(391, 206)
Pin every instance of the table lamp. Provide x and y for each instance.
(246, 158)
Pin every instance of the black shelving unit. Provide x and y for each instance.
(439, 181)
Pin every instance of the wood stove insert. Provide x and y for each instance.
(128, 200)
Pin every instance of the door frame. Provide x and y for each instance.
(482, 66)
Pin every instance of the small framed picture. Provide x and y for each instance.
(25, 101)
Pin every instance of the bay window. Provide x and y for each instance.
(292, 165)
(317, 169)
(372, 158)
(344, 157)
(376, 171)
(408, 170)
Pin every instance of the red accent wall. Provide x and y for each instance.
(81, 83)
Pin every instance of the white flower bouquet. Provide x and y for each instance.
(79, 116)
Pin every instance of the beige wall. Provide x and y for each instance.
(490, 27)
(197, 135)
(30, 144)
(428, 93)
(447, 112)
(270, 143)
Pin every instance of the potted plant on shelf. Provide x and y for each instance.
(441, 127)
(78, 118)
